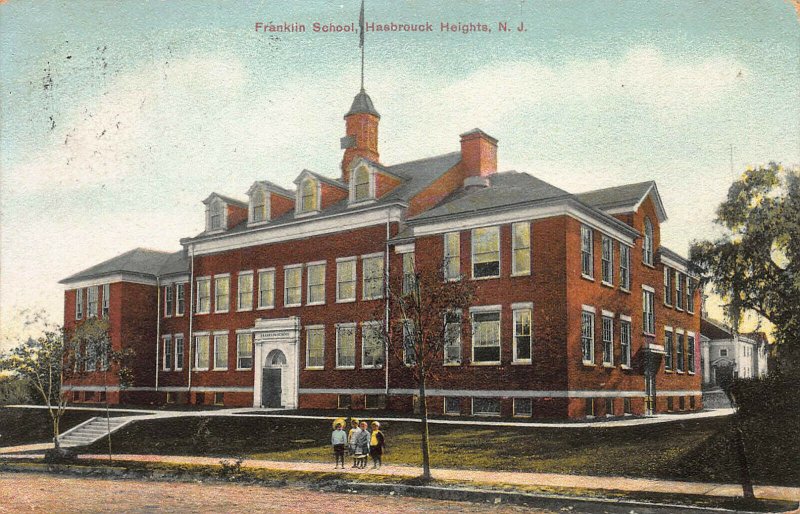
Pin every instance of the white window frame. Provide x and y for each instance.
(607, 319)
(487, 413)
(473, 238)
(625, 336)
(449, 259)
(79, 303)
(453, 342)
(648, 310)
(106, 301)
(587, 315)
(216, 336)
(239, 277)
(587, 252)
(169, 300)
(370, 185)
(679, 293)
(409, 273)
(408, 330)
(176, 353)
(624, 267)
(680, 350)
(516, 311)
(515, 271)
(668, 287)
(690, 294)
(180, 299)
(376, 257)
(607, 260)
(516, 412)
(487, 310)
(669, 349)
(222, 277)
(374, 326)
(267, 207)
(317, 196)
(353, 280)
(213, 205)
(166, 344)
(309, 267)
(340, 327)
(197, 336)
(691, 353)
(315, 329)
(648, 242)
(200, 280)
(449, 412)
(92, 306)
(267, 272)
(292, 269)
(240, 355)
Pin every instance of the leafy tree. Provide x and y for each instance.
(755, 265)
(418, 307)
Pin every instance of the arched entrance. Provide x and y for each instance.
(271, 385)
(276, 363)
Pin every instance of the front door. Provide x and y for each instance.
(271, 387)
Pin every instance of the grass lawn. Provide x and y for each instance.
(26, 426)
(700, 450)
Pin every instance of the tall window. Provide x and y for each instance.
(373, 277)
(679, 353)
(647, 243)
(361, 184)
(452, 255)
(607, 268)
(345, 346)
(221, 351)
(648, 312)
(316, 283)
(244, 291)
(625, 342)
(587, 337)
(690, 290)
(259, 206)
(608, 340)
(668, 289)
(346, 280)
(106, 299)
(79, 304)
(371, 345)
(452, 338)
(91, 302)
(293, 286)
(668, 349)
(679, 297)
(308, 196)
(169, 300)
(409, 343)
(180, 299)
(222, 289)
(266, 289)
(203, 295)
(409, 273)
(215, 215)
(178, 352)
(486, 252)
(521, 246)
(244, 351)
(201, 353)
(167, 353)
(690, 353)
(587, 252)
(522, 335)
(315, 347)
(624, 267)
(486, 337)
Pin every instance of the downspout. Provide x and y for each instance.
(158, 325)
(190, 335)
(386, 311)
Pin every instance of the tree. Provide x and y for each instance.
(419, 306)
(755, 265)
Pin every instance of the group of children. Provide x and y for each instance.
(360, 442)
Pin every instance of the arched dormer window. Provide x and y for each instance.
(215, 215)
(259, 208)
(309, 200)
(647, 244)
(362, 187)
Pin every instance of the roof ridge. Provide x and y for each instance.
(425, 158)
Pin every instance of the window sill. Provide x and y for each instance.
(522, 362)
(690, 373)
(315, 303)
(606, 284)
(529, 415)
(680, 372)
(372, 298)
(266, 308)
(222, 312)
(244, 369)
(315, 368)
(651, 266)
(668, 371)
(485, 278)
(347, 300)
(451, 364)
(650, 334)
(678, 309)
(167, 316)
(288, 305)
(608, 365)
(244, 310)
(359, 203)
(371, 367)
(220, 369)
(589, 364)
(304, 214)
(667, 305)
(178, 369)
(587, 277)
(625, 367)
(487, 414)
(345, 367)
(488, 363)
(521, 274)
(202, 313)
(179, 315)
(200, 369)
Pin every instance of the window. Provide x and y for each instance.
(375, 401)
(106, 299)
(315, 348)
(522, 335)
(587, 337)
(626, 406)
(668, 349)
(723, 352)
(409, 346)
(346, 280)
(452, 406)
(409, 273)
(316, 283)
(178, 352)
(371, 345)
(679, 297)
(90, 363)
(219, 398)
(180, 303)
(607, 267)
(521, 249)
(344, 401)
(203, 295)
(361, 184)
(682, 402)
(91, 302)
(624, 267)
(452, 255)
(690, 353)
(589, 407)
(215, 215)
(486, 337)
(221, 351)
(523, 407)
(486, 252)
(201, 358)
(486, 406)
(244, 291)
(691, 402)
(609, 406)
(625, 342)
(167, 353)
(648, 318)
(452, 338)
(608, 340)
(244, 351)
(670, 404)
(293, 286)
(667, 286)
(308, 196)
(587, 252)
(345, 346)
(79, 304)
(222, 287)
(647, 243)
(169, 300)
(373, 276)
(266, 289)
(679, 353)
(259, 209)
(690, 289)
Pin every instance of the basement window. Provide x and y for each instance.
(486, 406)
(344, 401)
(375, 401)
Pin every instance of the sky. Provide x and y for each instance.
(118, 119)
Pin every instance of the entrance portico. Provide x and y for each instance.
(276, 362)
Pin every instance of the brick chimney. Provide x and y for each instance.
(361, 127)
(478, 156)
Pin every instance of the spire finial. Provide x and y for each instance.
(361, 41)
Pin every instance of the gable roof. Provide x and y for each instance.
(139, 261)
(226, 199)
(625, 198)
(714, 329)
(271, 187)
(321, 178)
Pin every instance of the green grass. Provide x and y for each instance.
(698, 450)
(27, 426)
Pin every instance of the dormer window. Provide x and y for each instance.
(216, 215)
(309, 198)
(647, 243)
(361, 184)
(259, 209)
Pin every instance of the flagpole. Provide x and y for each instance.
(361, 41)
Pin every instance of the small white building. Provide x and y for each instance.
(724, 353)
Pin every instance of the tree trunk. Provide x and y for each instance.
(108, 415)
(423, 411)
(56, 442)
(744, 468)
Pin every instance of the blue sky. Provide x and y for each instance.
(156, 104)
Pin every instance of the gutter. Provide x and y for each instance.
(158, 325)
(386, 310)
(190, 335)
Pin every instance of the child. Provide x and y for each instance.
(338, 440)
(377, 444)
(362, 446)
(351, 440)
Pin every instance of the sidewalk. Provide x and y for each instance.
(478, 477)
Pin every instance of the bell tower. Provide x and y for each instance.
(361, 127)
